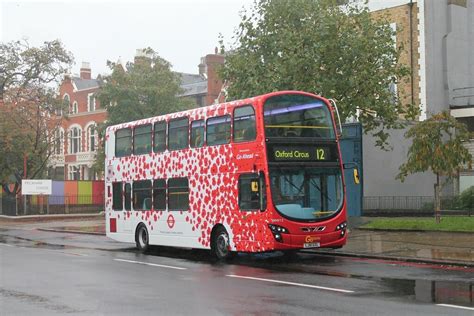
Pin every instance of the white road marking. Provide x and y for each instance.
(3, 244)
(291, 283)
(457, 306)
(151, 264)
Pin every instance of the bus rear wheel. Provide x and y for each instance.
(220, 246)
(142, 239)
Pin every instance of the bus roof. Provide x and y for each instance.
(196, 111)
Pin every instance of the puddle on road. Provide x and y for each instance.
(100, 229)
(426, 291)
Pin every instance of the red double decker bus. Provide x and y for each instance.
(253, 175)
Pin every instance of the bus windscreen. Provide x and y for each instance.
(294, 115)
(306, 193)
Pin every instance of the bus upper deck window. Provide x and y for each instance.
(178, 134)
(197, 133)
(244, 124)
(160, 137)
(142, 140)
(123, 142)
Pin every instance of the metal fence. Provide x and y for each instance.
(398, 202)
(36, 205)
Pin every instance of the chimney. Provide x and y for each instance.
(202, 67)
(85, 70)
(212, 64)
(143, 57)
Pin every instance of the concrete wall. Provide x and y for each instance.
(449, 36)
(381, 168)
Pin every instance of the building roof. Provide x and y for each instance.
(85, 84)
(192, 84)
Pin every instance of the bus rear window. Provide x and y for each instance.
(294, 115)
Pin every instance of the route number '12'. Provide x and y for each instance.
(320, 154)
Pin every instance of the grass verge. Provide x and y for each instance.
(448, 223)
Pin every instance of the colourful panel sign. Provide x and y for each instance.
(57, 197)
(98, 188)
(70, 192)
(84, 192)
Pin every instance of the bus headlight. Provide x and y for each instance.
(341, 226)
(277, 231)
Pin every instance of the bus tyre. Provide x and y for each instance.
(142, 238)
(220, 246)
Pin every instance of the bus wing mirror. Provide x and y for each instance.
(356, 176)
(354, 166)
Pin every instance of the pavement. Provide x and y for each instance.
(442, 248)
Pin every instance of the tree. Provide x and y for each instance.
(437, 146)
(338, 51)
(29, 107)
(139, 90)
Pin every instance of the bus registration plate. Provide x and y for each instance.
(311, 245)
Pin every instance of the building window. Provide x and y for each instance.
(92, 137)
(142, 195)
(159, 194)
(142, 140)
(178, 194)
(197, 133)
(244, 124)
(218, 130)
(178, 135)
(117, 196)
(123, 142)
(59, 142)
(74, 109)
(90, 102)
(74, 140)
(160, 137)
(74, 173)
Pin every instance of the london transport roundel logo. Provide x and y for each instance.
(170, 221)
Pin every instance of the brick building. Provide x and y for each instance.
(437, 37)
(76, 141)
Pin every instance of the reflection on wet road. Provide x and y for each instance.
(355, 279)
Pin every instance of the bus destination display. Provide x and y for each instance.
(300, 153)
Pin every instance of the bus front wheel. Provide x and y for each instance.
(220, 246)
(142, 238)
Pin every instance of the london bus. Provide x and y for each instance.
(253, 175)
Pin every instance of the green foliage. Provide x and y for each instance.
(314, 45)
(437, 146)
(139, 90)
(28, 105)
(23, 66)
(143, 89)
(449, 223)
(466, 199)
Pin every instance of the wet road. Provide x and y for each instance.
(46, 273)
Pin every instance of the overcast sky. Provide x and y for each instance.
(181, 31)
